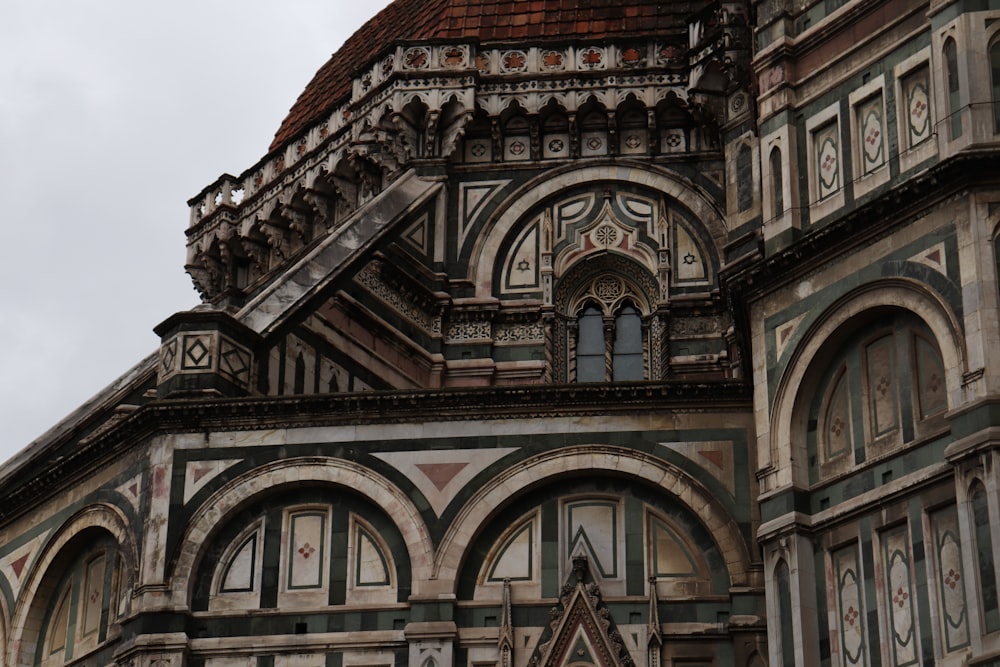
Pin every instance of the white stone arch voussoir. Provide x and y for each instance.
(788, 458)
(619, 461)
(517, 205)
(224, 503)
(28, 616)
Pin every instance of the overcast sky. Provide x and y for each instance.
(113, 113)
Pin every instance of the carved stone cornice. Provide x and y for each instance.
(36, 482)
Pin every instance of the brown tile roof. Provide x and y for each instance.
(486, 21)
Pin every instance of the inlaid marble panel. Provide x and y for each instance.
(670, 556)
(555, 145)
(880, 361)
(950, 579)
(592, 529)
(521, 268)
(93, 596)
(850, 607)
(931, 390)
(689, 263)
(372, 566)
(871, 134)
(593, 143)
(897, 573)
(514, 560)
(306, 544)
(826, 146)
(916, 93)
(837, 433)
(239, 574)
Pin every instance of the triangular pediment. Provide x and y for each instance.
(582, 631)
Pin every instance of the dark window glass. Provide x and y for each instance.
(784, 583)
(590, 346)
(744, 179)
(777, 183)
(627, 359)
(954, 101)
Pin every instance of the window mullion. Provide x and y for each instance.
(609, 348)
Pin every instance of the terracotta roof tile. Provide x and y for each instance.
(483, 20)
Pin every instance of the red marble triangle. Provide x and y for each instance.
(784, 333)
(18, 565)
(198, 473)
(935, 256)
(441, 473)
(715, 457)
(133, 488)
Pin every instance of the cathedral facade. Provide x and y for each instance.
(562, 334)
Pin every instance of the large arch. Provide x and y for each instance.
(479, 509)
(225, 502)
(520, 202)
(30, 605)
(788, 458)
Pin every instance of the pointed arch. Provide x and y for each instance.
(953, 87)
(777, 183)
(516, 206)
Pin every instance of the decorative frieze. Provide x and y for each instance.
(466, 332)
(696, 326)
(371, 278)
(533, 332)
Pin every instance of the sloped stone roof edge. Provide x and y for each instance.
(311, 274)
(106, 399)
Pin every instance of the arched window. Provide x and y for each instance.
(633, 130)
(626, 358)
(609, 332)
(983, 536)
(517, 142)
(606, 328)
(783, 583)
(777, 183)
(594, 132)
(555, 135)
(744, 179)
(478, 139)
(954, 92)
(995, 74)
(590, 345)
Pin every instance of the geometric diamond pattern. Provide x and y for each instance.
(233, 360)
(168, 355)
(197, 352)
